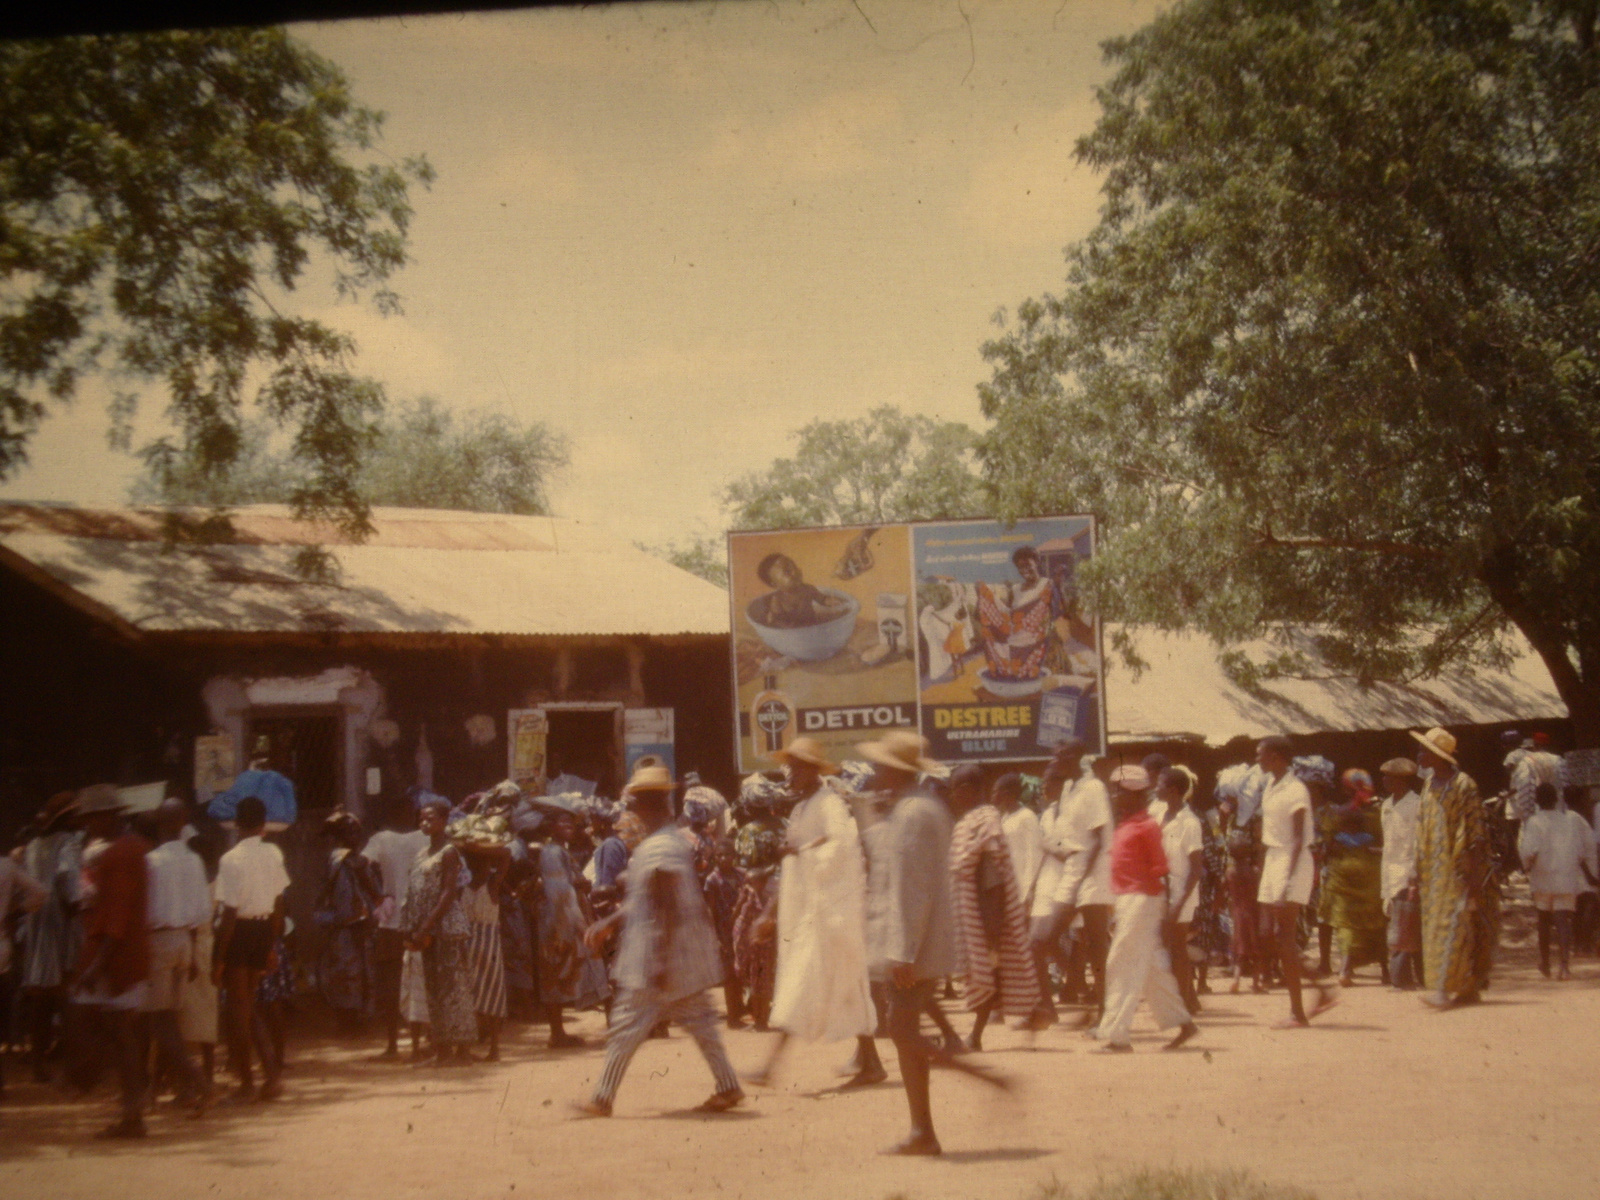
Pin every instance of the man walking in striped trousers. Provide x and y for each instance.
(668, 958)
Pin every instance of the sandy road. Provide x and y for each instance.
(1381, 1099)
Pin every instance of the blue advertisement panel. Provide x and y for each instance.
(1008, 665)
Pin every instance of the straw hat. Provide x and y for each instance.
(807, 750)
(903, 751)
(652, 778)
(99, 798)
(1400, 768)
(1131, 778)
(1440, 742)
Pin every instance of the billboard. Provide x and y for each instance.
(969, 631)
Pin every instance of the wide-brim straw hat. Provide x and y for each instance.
(809, 751)
(903, 751)
(1131, 777)
(99, 798)
(1439, 742)
(57, 810)
(652, 778)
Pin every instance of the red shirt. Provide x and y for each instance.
(116, 920)
(1138, 863)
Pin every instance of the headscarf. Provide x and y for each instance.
(1359, 784)
(1313, 768)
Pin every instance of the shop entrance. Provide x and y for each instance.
(305, 746)
(586, 742)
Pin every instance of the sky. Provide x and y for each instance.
(679, 232)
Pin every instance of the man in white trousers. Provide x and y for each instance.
(1138, 965)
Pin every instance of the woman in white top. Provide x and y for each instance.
(1559, 855)
(1288, 872)
(1184, 842)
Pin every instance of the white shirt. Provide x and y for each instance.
(1026, 840)
(1157, 808)
(1052, 836)
(250, 878)
(179, 896)
(1181, 837)
(394, 853)
(1282, 799)
(1560, 841)
(1088, 815)
(1399, 842)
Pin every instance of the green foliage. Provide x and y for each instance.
(1174, 1185)
(1330, 358)
(886, 466)
(160, 194)
(418, 456)
(706, 557)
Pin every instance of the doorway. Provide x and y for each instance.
(585, 742)
(305, 746)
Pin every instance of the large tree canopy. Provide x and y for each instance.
(160, 195)
(885, 466)
(421, 456)
(1329, 359)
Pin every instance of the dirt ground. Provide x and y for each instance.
(1382, 1098)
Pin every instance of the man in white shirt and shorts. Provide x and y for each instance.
(1288, 872)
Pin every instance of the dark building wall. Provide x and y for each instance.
(80, 706)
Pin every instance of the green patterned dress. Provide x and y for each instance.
(1460, 906)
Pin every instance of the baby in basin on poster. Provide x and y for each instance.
(793, 603)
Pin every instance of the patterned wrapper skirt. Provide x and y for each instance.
(488, 970)
(413, 989)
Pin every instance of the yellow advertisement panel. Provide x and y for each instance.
(823, 637)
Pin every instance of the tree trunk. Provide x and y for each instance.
(1577, 691)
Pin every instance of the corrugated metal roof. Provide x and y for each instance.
(420, 572)
(1184, 692)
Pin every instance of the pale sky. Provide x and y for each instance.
(679, 232)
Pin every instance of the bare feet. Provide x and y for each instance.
(866, 1077)
(1116, 1048)
(591, 1108)
(917, 1144)
(1325, 1000)
(1183, 1035)
(1292, 1023)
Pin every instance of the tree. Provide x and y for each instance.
(420, 456)
(886, 466)
(161, 195)
(704, 556)
(1329, 360)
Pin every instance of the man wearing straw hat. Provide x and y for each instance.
(915, 941)
(1460, 905)
(822, 991)
(668, 958)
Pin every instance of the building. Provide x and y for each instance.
(446, 650)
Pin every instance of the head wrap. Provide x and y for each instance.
(1313, 768)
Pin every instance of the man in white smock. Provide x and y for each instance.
(822, 992)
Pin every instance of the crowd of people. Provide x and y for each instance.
(828, 902)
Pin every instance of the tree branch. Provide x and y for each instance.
(1266, 537)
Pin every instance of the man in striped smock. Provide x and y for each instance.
(668, 958)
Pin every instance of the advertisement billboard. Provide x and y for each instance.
(821, 637)
(969, 631)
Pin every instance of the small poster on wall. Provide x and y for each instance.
(214, 765)
(527, 730)
(647, 731)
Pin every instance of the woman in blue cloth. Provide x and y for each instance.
(345, 912)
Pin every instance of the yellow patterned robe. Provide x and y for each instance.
(1452, 863)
